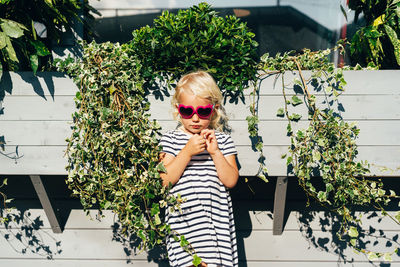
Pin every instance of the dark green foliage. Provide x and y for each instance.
(378, 42)
(197, 38)
(20, 46)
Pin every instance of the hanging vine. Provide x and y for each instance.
(327, 147)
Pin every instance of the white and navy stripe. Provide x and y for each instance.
(206, 220)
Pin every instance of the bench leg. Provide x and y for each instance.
(279, 205)
(46, 204)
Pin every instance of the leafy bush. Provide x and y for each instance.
(197, 38)
(20, 46)
(113, 150)
(378, 42)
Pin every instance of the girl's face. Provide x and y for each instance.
(194, 125)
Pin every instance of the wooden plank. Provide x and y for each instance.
(374, 82)
(253, 246)
(136, 263)
(249, 215)
(46, 204)
(23, 262)
(37, 133)
(280, 204)
(50, 133)
(372, 132)
(50, 160)
(368, 82)
(357, 107)
(44, 84)
(37, 108)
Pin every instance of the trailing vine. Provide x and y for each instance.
(327, 147)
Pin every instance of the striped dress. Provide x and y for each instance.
(206, 219)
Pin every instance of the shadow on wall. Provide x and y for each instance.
(7, 86)
(24, 234)
(319, 226)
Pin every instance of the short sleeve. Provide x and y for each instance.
(228, 147)
(167, 144)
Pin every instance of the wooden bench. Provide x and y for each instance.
(35, 118)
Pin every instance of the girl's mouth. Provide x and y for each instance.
(196, 126)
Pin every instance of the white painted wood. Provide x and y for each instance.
(38, 125)
(43, 84)
(249, 214)
(357, 107)
(378, 82)
(50, 133)
(136, 263)
(89, 243)
(50, 160)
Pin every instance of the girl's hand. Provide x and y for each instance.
(195, 145)
(211, 141)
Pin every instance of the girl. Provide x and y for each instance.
(201, 165)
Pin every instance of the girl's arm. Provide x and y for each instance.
(176, 165)
(227, 169)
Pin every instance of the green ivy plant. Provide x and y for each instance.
(327, 147)
(113, 150)
(20, 45)
(4, 202)
(378, 42)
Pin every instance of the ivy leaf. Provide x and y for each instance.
(397, 216)
(183, 242)
(112, 89)
(107, 205)
(161, 168)
(157, 219)
(263, 177)
(316, 155)
(353, 231)
(387, 256)
(372, 256)
(196, 260)
(295, 117)
(296, 101)
(280, 112)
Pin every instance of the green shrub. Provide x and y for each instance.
(197, 38)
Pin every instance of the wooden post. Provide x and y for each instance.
(46, 204)
(279, 204)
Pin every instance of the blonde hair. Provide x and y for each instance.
(202, 84)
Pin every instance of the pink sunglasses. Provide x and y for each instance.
(204, 112)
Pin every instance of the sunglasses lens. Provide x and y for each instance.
(204, 112)
(185, 111)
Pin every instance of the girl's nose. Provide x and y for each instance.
(195, 117)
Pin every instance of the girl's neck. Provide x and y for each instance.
(182, 129)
